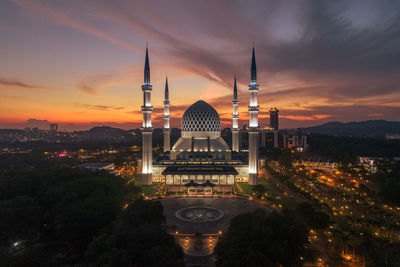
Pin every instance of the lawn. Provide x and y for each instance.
(147, 190)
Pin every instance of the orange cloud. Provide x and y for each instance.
(306, 118)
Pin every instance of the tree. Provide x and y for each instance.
(306, 213)
(61, 208)
(259, 189)
(261, 239)
(138, 239)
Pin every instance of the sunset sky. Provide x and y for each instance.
(80, 63)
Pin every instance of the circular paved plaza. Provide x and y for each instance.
(205, 215)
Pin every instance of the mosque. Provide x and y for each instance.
(200, 162)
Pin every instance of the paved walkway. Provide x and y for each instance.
(231, 207)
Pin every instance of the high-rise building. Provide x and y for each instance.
(147, 128)
(53, 127)
(167, 129)
(253, 123)
(296, 141)
(274, 118)
(235, 120)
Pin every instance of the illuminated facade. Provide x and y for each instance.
(253, 124)
(147, 128)
(201, 161)
(235, 120)
(167, 129)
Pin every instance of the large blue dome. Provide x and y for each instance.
(201, 117)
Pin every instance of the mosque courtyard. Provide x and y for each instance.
(206, 215)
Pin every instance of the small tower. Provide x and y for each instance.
(274, 118)
(167, 129)
(253, 123)
(235, 119)
(147, 128)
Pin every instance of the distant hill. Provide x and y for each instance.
(371, 128)
(106, 130)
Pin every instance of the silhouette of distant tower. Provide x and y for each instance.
(274, 118)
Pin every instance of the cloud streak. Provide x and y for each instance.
(97, 107)
(18, 84)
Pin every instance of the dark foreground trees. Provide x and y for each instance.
(65, 216)
(261, 239)
(49, 216)
(137, 238)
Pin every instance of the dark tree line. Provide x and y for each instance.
(137, 238)
(57, 216)
(347, 149)
(277, 239)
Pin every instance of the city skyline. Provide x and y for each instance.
(81, 64)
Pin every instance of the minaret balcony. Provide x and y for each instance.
(146, 129)
(253, 87)
(254, 108)
(147, 108)
(147, 87)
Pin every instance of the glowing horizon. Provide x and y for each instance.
(80, 64)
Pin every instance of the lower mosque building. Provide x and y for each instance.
(200, 162)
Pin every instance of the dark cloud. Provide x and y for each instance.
(87, 89)
(16, 83)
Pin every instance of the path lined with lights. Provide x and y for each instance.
(339, 194)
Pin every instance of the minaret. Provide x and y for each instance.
(147, 128)
(235, 118)
(167, 129)
(253, 123)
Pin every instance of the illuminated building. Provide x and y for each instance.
(53, 127)
(235, 120)
(166, 129)
(253, 124)
(274, 118)
(201, 162)
(296, 141)
(147, 128)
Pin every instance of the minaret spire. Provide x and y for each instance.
(253, 123)
(147, 128)
(235, 119)
(166, 89)
(167, 129)
(147, 67)
(253, 70)
(235, 90)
